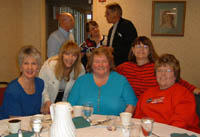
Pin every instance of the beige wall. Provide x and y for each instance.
(186, 48)
(21, 23)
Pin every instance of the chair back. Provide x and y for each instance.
(3, 86)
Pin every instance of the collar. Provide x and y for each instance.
(65, 33)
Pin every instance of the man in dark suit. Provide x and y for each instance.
(121, 34)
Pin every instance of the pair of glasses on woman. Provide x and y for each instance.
(142, 46)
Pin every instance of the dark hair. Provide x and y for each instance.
(153, 56)
(169, 59)
(101, 51)
(87, 25)
(115, 7)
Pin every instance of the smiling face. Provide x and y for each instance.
(29, 67)
(94, 30)
(100, 65)
(69, 59)
(141, 51)
(165, 76)
(66, 21)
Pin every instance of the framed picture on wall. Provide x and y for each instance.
(168, 18)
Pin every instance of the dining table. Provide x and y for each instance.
(96, 130)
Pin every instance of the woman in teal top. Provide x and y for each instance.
(109, 92)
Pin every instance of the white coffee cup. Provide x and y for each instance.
(14, 125)
(78, 111)
(125, 118)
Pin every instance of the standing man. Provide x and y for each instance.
(64, 33)
(121, 34)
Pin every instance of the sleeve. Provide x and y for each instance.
(130, 33)
(11, 104)
(43, 74)
(52, 46)
(129, 94)
(184, 107)
(187, 85)
(40, 84)
(74, 93)
(138, 112)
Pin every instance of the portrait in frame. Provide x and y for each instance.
(168, 18)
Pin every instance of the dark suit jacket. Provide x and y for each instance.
(123, 38)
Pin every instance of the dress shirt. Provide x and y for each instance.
(113, 33)
(56, 39)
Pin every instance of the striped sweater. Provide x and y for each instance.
(143, 77)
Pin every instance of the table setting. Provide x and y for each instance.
(63, 123)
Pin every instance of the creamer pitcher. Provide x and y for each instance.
(62, 125)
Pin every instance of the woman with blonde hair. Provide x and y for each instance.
(59, 73)
(23, 96)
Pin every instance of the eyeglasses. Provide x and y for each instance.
(165, 70)
(140, 46)
(99, 62)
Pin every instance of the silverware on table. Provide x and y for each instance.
(101, 122)
(155, 135)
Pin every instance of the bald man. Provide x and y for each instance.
(64, 33)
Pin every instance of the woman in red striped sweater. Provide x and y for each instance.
(140, 69)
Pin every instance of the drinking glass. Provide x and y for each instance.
(147, 126)
(112, 126)
(36, 124)
(88, 110)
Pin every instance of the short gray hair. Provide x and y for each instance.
(29, 51)
(114, 7)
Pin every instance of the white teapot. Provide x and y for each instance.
(62, 125)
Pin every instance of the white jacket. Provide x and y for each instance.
(51, 87)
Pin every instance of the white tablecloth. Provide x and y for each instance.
(162, 130)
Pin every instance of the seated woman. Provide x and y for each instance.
(109, 92)
(140, 69)
(169, 102)
(23, 96)
(59, 73)
(95, 40)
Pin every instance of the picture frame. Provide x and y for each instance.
(168, 18)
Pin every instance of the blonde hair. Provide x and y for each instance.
(68, 47)
(27, 51)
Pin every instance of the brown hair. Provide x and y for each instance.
(153, 56)
(101, 51)
(169, 59)
(87, 25)
(115, 7)
(68, 47)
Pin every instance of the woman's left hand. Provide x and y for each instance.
(130, 108)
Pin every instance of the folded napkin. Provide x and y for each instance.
(25, 134)
(181, 135)
(80, 122)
